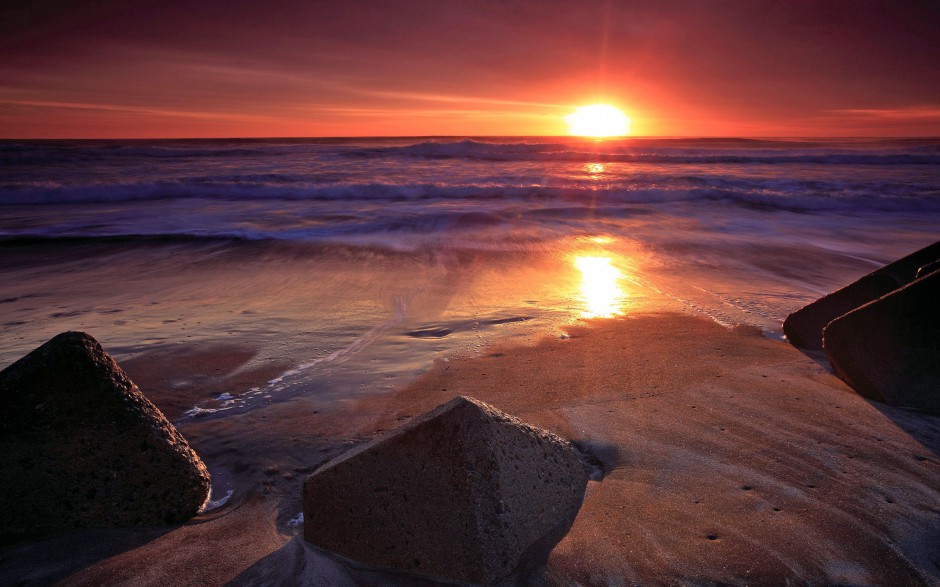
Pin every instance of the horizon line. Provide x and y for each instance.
(468, 136)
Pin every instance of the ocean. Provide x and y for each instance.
(350, 265)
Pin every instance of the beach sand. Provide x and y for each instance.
(727, 458)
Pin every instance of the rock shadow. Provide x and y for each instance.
(301, 563)
(599, 458)
(47, 559)
(818, 356)
(924, 427)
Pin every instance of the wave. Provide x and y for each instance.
(630, 152)
(40, 238)
(706, 151)
(771, 194)
(225, 190)
(95, 151)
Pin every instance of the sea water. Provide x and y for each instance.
(357, 262)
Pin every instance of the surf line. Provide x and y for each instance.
(400, 302)
(245, 401)
(344, 354)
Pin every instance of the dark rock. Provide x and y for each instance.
(928, 268)
(80, 446)
(804, 327)
(889, 349)
(463, 492)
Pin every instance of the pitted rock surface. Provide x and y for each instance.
(463, 492)
(80, 446)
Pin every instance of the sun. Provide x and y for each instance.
(598, 120)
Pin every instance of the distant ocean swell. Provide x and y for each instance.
(771, 194)
(411, 190)
(921, 155)
(661, 151)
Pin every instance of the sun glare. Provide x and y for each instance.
(598, 120)
(600, 289)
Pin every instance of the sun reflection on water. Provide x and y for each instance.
(600, 287)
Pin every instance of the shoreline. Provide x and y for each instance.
(727, 457)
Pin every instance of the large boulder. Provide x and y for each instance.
(463, 492)
(889, 349)
(80, 446)
(805, 326)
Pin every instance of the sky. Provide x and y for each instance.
(234, 68)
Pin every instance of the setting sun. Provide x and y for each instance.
(598, 120)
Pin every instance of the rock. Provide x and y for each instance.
(928, 268)
(463, 492)
(80, 446)
(889, 349)
(804, 327)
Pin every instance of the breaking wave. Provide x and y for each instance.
(783, 194)
(739, 151)
(349, 189)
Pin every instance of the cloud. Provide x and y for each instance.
(677, 67)
(451, 99)
(908, 113)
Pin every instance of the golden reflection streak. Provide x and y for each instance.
(600, 287)
(595, 168)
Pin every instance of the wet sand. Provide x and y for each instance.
(728, 458)
(180, 376)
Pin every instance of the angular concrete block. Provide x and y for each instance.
(464, 492)
(928, 268)
(80, 446)
(804, 327)
(889, 349)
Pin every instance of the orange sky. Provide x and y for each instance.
(145, 69)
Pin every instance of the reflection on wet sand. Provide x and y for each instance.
(379, 317)
(600, 288)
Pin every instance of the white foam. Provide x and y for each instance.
(345, 353)
(197, 411)
(216, 504)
